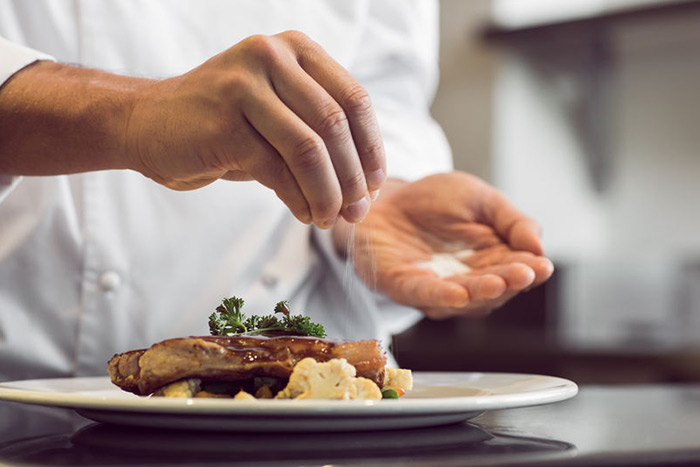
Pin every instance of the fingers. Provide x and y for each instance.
(525, 235)
(483, 286)
(472, 294)
(264, 164)
(320, 121)
(487, 294)
(420, 288)
(499, 259)
(543, 269)
(494, 286)
(521, 232)
(314, 128)
(320, 111)
(492, 282)
(303, 152)
(355, 102)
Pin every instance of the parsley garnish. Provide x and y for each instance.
(229, 320)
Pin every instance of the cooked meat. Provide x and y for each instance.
(236, 358)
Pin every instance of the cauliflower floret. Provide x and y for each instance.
(396, 378)
(242, 395)
(334, 379)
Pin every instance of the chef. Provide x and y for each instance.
(156, 156)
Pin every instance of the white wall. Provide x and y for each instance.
(519, 13)
(630, 246)
(463, 103)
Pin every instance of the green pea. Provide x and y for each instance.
(389, 394)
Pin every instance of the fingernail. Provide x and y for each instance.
(328, 223)
(375, 179)
(356, 212)
(374, 195)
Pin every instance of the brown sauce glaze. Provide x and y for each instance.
(213, 358)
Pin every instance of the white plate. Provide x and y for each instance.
(437, 399)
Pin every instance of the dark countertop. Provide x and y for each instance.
(603, 425)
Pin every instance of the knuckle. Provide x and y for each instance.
(357, 100)
(226, 90)
(372, 150)
(327, 208)
(295, 37)
(237, 81)
(334, 123)
(280, 178)
(301, 45)
(353, 185)
(308, 154)
(264, 48)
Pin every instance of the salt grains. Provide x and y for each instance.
(448, 264)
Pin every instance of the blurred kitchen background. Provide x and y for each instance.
(587, 115)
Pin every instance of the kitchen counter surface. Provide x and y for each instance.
(602, 425)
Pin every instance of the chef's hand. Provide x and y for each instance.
(275, 109)
(448, 215)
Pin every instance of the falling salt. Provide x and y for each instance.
(448, 264)
(349, 284)
(367, 274)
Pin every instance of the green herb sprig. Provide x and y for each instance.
(229, 320)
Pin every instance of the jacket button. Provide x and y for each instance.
(110, 280)
(269, 281)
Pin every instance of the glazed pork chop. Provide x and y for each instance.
(224, 359)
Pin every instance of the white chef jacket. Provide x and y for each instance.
(103, 262)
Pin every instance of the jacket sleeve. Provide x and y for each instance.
(397, 62)
(13, 58)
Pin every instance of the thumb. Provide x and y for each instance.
(525, 235)
(521, 232)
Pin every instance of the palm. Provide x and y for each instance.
(449, 244)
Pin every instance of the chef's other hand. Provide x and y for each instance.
(276, 109)
(449, 245)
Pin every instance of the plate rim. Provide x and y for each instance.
(557, 389)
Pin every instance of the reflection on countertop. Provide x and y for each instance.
(603, 425)
(65, 439)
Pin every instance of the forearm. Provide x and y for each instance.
(57, 119)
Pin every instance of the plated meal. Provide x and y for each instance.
(292, 379)
(285, 357)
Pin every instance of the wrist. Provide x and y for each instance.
(77, 119)
(108, 116)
